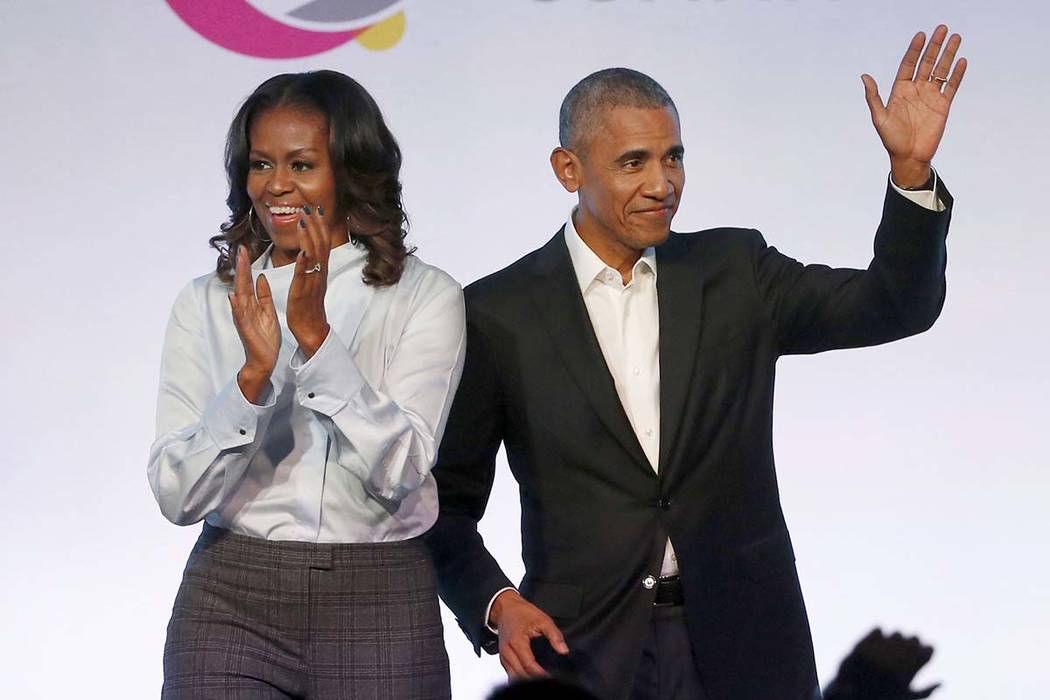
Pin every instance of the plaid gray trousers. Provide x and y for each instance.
(262, 619)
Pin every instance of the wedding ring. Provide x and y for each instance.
(938, 79)
(315, 268)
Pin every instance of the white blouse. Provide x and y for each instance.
(342, 447)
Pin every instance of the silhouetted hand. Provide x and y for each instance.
(881, 668)
(518, 621)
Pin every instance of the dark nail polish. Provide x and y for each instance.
(306, 209)
(320, 210)
(302, 223)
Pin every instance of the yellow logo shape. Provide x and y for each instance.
(383, 35)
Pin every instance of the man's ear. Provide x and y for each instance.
(567, 168)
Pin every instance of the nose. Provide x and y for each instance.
(279, 182)
(658, 182)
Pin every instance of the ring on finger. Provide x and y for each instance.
(939, 79)
(316, 268)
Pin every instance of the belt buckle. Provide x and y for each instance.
(668, 592)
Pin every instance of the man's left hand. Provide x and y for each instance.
(912, 121)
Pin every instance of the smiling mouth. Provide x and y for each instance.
(282, 210)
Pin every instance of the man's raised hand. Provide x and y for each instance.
(912, 121)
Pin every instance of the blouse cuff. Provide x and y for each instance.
(231, 420)
(327, 381)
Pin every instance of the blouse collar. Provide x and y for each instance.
(339, 258)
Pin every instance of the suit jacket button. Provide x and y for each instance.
(664, 503)
(649, 582)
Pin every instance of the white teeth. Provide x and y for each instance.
(285, 210)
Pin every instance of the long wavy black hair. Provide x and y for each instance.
(364, 155)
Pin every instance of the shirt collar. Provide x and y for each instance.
(586, 263)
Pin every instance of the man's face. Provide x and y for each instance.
(630, 175)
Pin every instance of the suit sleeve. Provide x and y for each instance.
(468, 574)
(901, 293)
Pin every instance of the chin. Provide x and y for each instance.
(284, 242)
(641, 241)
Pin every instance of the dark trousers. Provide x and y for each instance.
(667, 670)
(261, 619)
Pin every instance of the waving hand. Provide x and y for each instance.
(912, 121)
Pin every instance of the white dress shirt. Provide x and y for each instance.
(342, 447)
(626, 320)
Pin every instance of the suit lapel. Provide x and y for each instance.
(558, 299)
(679, 285)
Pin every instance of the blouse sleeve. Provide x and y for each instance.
(387, 435)
(206, 435)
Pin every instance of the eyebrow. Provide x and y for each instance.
(642, 154)
(636, 154)
(291, 154)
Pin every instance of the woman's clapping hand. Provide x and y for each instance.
(255, 317)
(307, 320)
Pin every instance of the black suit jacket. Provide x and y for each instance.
(594, 515)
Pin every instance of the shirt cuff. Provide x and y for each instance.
(488, 608)
(231, 420)
(927, 199)
(327, 381)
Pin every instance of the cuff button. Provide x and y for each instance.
(310, 395)
(242, 431)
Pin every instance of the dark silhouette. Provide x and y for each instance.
(881, 668)
(545, 688)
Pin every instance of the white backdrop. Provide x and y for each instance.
(914, 476)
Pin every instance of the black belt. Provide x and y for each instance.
(668, 592)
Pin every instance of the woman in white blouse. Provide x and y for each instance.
(304, 388)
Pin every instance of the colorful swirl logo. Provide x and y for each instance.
(293, 28)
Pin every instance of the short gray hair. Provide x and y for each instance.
(603, 90)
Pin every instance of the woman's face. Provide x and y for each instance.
(288, 167)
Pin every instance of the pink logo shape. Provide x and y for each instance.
(237, 26)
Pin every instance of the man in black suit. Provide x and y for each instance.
(629, 373)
